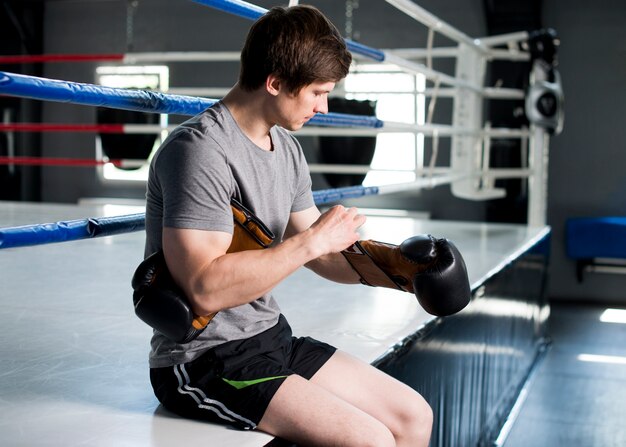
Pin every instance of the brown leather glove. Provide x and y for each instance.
(432, 269)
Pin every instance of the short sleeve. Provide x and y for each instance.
(196, 183)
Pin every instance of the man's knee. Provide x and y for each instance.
(414, 422)
(424, 423)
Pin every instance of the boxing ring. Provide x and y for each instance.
(77, 356)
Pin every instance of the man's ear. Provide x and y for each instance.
(273, 85)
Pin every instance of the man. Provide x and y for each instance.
(246, 368)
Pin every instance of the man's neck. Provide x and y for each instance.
(248, 110)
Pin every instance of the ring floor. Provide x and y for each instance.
(75, 357)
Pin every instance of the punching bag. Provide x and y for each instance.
(126, 146)
(347, 150)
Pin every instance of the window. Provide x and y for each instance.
(400, 98)
(132, 77)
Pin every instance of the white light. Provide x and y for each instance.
(111, 209)
(397, 97)
(613, 316)
(618, 360)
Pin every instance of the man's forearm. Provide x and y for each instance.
(233, 279)
(239, 278)
(334, 267)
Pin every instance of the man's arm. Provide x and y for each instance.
(214, 280)
(332, 266)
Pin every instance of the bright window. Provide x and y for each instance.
(399, 98)
(152, 77)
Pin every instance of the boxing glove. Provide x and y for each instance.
(162, 304)
(432, 269)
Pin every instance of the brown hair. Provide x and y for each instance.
(298, 44)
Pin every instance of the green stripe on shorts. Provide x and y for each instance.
(240, 384)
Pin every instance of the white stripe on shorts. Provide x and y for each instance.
(204, 402)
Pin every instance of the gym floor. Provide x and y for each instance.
(577, 397)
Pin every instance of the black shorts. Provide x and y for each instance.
(234, 383)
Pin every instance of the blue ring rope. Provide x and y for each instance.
(252, 12)
(33, 87)
(94, 95)
(73, 230)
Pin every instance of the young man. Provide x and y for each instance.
(246, 368)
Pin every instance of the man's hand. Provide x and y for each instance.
(336, 229)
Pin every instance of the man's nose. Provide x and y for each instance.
(322, 105)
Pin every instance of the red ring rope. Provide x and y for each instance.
(71, 162)
(38, 127)
(35, 58)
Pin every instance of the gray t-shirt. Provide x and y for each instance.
(203, 164)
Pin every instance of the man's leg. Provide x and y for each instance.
(400, 408)
(309, 415)
(348, 402)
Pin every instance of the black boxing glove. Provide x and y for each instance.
(432, 269)
(162, 304)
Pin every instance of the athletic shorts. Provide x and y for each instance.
(234, 382)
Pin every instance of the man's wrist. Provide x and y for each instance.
(311, 244)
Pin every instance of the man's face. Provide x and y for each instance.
(295, 110)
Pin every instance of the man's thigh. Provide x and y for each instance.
(369, 389)
(306, 413)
